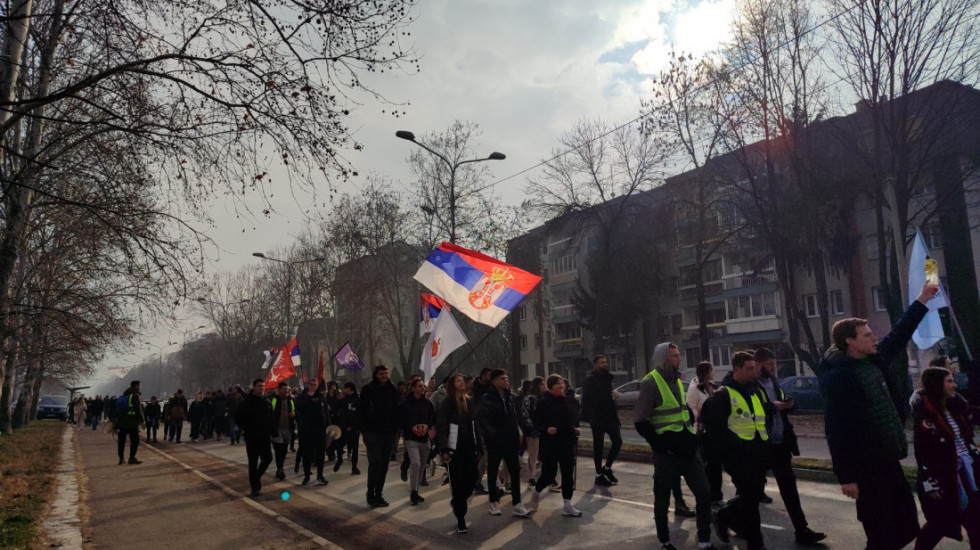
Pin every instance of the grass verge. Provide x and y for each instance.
(28, 458)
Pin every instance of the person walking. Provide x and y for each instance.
(196, 415)
(701, 388)
(599, 410)
(153, 414)
(417, 416)
(254, 417)
(377, 412)
(783, 447)
(233, 401)
(312, 419)
(95, 412)
(663, 418)
(864, 417)
(947, 458)
(81, 412)
(735, 420)
(346, 420)
(178, 409)
(531, 434)
(553, 418)
(219, 414)
(284, 418)
(129, 418)
(498, 421)
(460, 445)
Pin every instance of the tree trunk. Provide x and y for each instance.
(12, 51)
(10, 374)
(27, 396)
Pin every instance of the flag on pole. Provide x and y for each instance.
(285, 365)
(445, 338)
(483, 288)
(319, 372)
(270, 357)
(930, 330)
(346, 358)
(431, 306)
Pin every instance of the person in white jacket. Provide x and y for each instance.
(700, 389)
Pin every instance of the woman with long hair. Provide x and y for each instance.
(947, 458)
(697, 393)
(460, 445)
(531, 435)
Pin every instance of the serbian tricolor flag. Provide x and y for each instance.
(483, 288)
(431, 306)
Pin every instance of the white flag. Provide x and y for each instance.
(930, 330)
(446, 337)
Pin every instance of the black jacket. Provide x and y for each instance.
(499, 420)
(598, 405)
(554, 411)
(254, 417)
(153, 411)
(415, 411)
(346, 416)
(378, 408)
(468, 437)
(721, 442)
(312, 416)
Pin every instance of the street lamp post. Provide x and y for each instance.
(409, 136)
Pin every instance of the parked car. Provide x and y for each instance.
(805, 391)
(628, 393)
(52, 406)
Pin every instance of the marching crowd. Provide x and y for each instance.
(478, 427)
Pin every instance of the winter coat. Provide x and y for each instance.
(196, 412)
(498, 421)
(935, 453)
(719, 441)
(153, 411)
(865, 409)
(378, 408)
(347, 413)
(135, 417)
(682, 443)
(220, 405)
(468, 436)
(254, 417)
(414, 411)
(528, 405)
(312, 416)
(178, 407)
(598, 405)
(553, 412)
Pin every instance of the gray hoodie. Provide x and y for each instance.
(649, 397)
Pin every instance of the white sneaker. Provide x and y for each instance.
(494, 509)
(535, 500)
(520, 511)
(571, 511)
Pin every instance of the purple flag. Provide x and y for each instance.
(347, 359)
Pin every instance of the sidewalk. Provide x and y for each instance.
(129, 506)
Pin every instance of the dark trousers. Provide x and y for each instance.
(134, 441)
(379, 446)
(551, 461)
(259, 458)
(313, 447)
(196, 426)
(781, 464)
(176, 428)
(667, 473)
(166, 428)
(463, 474)
(151, 429)
(748, 472)
(352, 440)
(932, 532)
(280, 449)
(599, 432)
(885, 507)
(509, 457)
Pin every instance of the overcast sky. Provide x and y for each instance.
(524, 70)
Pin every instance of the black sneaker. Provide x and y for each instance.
(602, 480)
(721, 528)
(667, 546)
(404, 472)
(681, 509)
(255, 494)
(280, 475)
(609, 475)
(380, 502)
(413, 498)
(306, 480)
(765, 499)
(479, 489)
(133, 460)
(321, 480)
(336, 466)
(354, 471)
(809, 536)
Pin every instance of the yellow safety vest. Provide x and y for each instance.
(292, 404)
(669, 416)
(743, 421)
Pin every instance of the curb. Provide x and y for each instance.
(62, 528)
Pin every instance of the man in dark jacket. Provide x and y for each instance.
(377, 415)
(312, 419)
(128, 422)
(254, 417)
(153, 414)
(498, 421)
(346, 420)
(864, 419)
(783, 446)
(735, 419)
(599, 410)
(663, 419)
(178, 409)
(283, 424)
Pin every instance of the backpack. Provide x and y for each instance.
(122, 405)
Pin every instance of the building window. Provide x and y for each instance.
(565, 264)
(664, 325)
(721, 356)
(837, 302)
(537, 340)
(524, 342)
(523, 313)
(714, 314)
(810, 304)
(676, 322)
(525, 375)
(753, 305)
(548, 338)
(878, 297)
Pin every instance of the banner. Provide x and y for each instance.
(446, 337)
(930, 330)
(346, 358)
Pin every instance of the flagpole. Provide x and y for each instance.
(471, 352)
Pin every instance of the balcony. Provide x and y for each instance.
(571, 347)
(714, 288)
(564, 313)
(748, 280)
